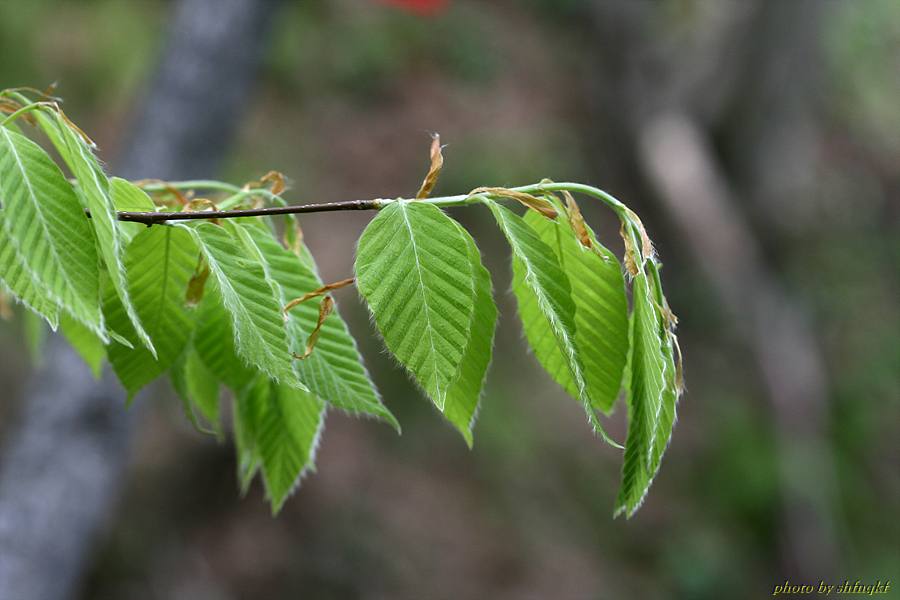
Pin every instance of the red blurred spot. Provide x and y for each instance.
(422, 8)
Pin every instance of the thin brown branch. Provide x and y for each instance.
(156, 218)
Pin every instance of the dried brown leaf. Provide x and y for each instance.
(679, 372)
(317, 292)
(646, 245)
(577, 221)
(541, 205)
(437, 161)
(75, 127)
(199, 204)
(325, 308)
(10, 106)
(630, 262)
(277, 180)
(181, 198)
(197, 284)
(293, 242)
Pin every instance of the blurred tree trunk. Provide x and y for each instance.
(62, 465)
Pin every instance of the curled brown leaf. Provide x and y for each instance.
(325, 308)
(199, 204)
(10, 106)
(277, 180)
(541, 205)
(577, 221)
(630, 262)
(197, 283)
(646, 245)
(437, 162)
(75, 128)
(317, 292)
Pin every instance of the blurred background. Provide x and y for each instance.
(759, 141)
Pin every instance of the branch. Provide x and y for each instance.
(156, 218)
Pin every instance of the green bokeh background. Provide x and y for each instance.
(350, 91)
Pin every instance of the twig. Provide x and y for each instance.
(155, 218)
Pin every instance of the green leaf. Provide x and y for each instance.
(546, 307)
(259, 331)
(90, 347)
(47, 119)
(645, 392)
(213, 341)
(21, 281)
(93, 189)
(413, 269)
(465, 390)
(129, 198)
(334, 371)
(248, 458)
(198, 388)
(49, 230)
(665, 418)
(158, 264)
(284, 424)
(601, 312)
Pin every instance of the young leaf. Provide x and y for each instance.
(284, 424)
(248, 459)
(129, 198)
(413, 269)
(254, 306)
(543, 292)
(673, 385)
(48, 228)
(21, 281)
(213, 341)
(465, 390)
(93, 189)
(601, 311)
(334, 371)
(198, 388)
(646, 388)
(158, 264)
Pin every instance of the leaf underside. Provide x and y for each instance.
(648, 393)
(158, 264)
(282, 426)
(464, 392)
(49, 231)
(92, 188)
(601, 313)
(334, 371)
(259, 332)
(413, 269)
(546, 308)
